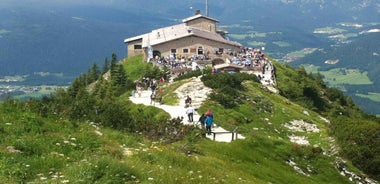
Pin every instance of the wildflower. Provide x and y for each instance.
(43, 178)
(150, 179)
(66, 142)
(73, 139)
(65, 181)
(58, 144)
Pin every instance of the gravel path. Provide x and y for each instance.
(198, 92)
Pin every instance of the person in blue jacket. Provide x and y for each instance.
(209, 121)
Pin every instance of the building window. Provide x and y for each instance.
(200, 50)
(138, 47)
(173, 51)
(185, 50)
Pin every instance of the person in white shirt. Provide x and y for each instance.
(190, 112)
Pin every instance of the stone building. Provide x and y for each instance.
(197, 35)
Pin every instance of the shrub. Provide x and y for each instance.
(188, 75)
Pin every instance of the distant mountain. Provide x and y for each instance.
(65, 39)
(68, 36)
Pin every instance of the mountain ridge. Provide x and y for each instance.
(100, 136)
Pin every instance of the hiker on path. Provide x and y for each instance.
(209, 113)
(190, 113)
(201, 120)
(188, 101)
(138, 89)
(209, 121)
(153, 98)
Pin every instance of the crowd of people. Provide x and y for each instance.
(247, 57)
(253, 59)
(152, 84)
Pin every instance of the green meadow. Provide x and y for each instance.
(372, 96)
(341, 76)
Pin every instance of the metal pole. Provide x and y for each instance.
(207, 8)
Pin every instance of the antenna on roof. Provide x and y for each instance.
(207, 8)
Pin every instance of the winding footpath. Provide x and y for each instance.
(198, 92)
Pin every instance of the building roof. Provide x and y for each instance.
(197, 17)
(175, 32)
(167, 34)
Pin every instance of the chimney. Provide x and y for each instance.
(197, 12)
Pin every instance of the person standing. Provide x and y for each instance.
(139, 90)
(209, 113)
(209, 121)
(201, 120)
(190, 112)
(188, 101)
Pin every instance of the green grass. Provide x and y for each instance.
(372, 96)
(45, 90)
(59, 151)
(251, 34)
(329, 30)
(238, 36)
(311, 68)
(134, 66)
(256, 34)
(282, 44)
(56, 150)
(302, 52)
(256, 44)
(169, 96)
(341, 76)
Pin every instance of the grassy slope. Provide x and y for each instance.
(56, 150)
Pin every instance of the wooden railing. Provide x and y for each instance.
(234, 134)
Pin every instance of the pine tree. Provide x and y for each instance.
(93, 73)
(106, 66)
(121, 78)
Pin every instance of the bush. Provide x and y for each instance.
(189, 75)
(226, 87)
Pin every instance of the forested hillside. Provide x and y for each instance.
(92, 133)
(363, 54)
